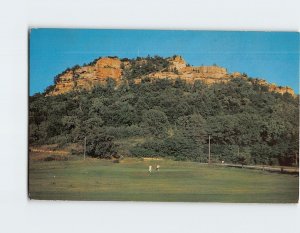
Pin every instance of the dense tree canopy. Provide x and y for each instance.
(247, 124)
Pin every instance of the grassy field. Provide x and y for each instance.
(129, 180)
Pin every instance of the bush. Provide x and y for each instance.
(140, 151)
(56, 157)
(179, 147)
(49, 158)
(101, 146)
(154, 145)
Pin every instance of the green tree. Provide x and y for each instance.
(156, 122)
(101, 145)
(193, 127)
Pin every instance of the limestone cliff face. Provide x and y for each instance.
(283, 90)
(64, 84)
(177, 62)
(179, 69)
(87, 77)
(108, 68)
(274, 88)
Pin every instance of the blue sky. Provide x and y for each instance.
(273, 56)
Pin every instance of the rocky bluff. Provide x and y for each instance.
(102, 69)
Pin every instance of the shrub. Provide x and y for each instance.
(101, 146)
(140, 151)
(49, 158)
(56, 157)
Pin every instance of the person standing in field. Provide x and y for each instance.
(157, 167)
(150, 169)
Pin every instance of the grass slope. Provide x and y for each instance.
(129, 180)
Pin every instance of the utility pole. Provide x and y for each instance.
(208, 149)
(84, 148)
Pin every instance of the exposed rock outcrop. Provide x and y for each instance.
(109, 68)
(87, 77)
(274, 88)
(179, 69)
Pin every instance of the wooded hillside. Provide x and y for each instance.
(248, 123)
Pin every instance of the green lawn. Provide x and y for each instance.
(129, 180)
